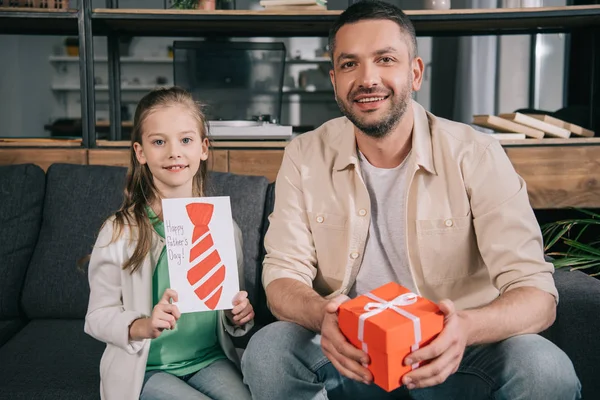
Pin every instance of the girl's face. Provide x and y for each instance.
(173, 148)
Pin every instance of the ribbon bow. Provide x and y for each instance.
(394, 304)
(405, 299)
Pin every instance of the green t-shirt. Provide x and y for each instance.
(193, 344)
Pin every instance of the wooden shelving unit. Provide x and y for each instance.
(317, 23)
(559, 173)
(27, 21)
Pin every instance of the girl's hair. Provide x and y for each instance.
(140, 190)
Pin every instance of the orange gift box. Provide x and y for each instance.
(388, 324)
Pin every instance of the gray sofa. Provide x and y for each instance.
(48, 221)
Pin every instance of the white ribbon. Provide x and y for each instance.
(382, 305)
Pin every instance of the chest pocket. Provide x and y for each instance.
(320, 221)
(447, 248)
(329, 233)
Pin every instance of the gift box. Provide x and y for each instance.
(389, 323)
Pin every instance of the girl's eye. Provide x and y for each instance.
(159, 142)
(186, 140)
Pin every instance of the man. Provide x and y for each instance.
(392, 193)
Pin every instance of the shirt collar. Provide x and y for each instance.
(421, 142)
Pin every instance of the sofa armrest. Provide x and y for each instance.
(577, 325)
(263, 314)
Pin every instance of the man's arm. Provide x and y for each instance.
(518, 311)
(290, 263)
(510, 243)
(293, 301)
(515, 312)
(290, 267)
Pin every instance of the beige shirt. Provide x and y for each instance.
(470, 231)
(118, 297)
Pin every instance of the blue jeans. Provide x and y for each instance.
(285, 361)
(221, 380)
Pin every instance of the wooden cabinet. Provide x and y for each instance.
(263, 162)
(559, 173)
(255, 162)
(42, 157)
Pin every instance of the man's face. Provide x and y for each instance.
(374, 75)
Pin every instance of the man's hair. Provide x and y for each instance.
(374, 10)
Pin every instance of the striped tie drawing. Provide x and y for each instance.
(205, 261)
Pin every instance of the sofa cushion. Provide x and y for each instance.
(8, 328)
(79, 198)
(21, 202)
(576, 327)
(51, 359)
(247, 195)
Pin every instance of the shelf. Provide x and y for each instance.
(104, 88)
(244, 23)
(215, 144)
(129, 60)
(168, 60)
(573, 141)
(319, 60)
(147, 88)
(37, 22)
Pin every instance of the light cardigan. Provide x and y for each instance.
(118, 297)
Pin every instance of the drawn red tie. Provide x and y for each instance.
(200, 214)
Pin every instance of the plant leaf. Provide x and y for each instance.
(557, 237)
(583, 247)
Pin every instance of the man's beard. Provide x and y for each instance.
(389, 121)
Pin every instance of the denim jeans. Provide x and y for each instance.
(221, 380)
(285, 361)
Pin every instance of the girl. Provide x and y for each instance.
(152, 351)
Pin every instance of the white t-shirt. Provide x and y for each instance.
(385, 257)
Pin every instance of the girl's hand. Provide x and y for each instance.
(164, 316)
(242, 312)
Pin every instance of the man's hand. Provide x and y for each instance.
(347, 359)
(443, 354)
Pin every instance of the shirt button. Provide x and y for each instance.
(448, 223)
(354, 255)
(320, 219)
(362, 212)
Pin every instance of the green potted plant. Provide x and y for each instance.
(185, 4)
(204, 4)
(568, 243)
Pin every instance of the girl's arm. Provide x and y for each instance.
(106, 319)
(232, 329)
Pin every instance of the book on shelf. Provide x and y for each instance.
(508, 136)
(504, 125)
(574, 129)
(294, 5)
(548, 129)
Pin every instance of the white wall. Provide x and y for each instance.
(26, 101)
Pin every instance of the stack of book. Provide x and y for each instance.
(294, 5)
(536, 126)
